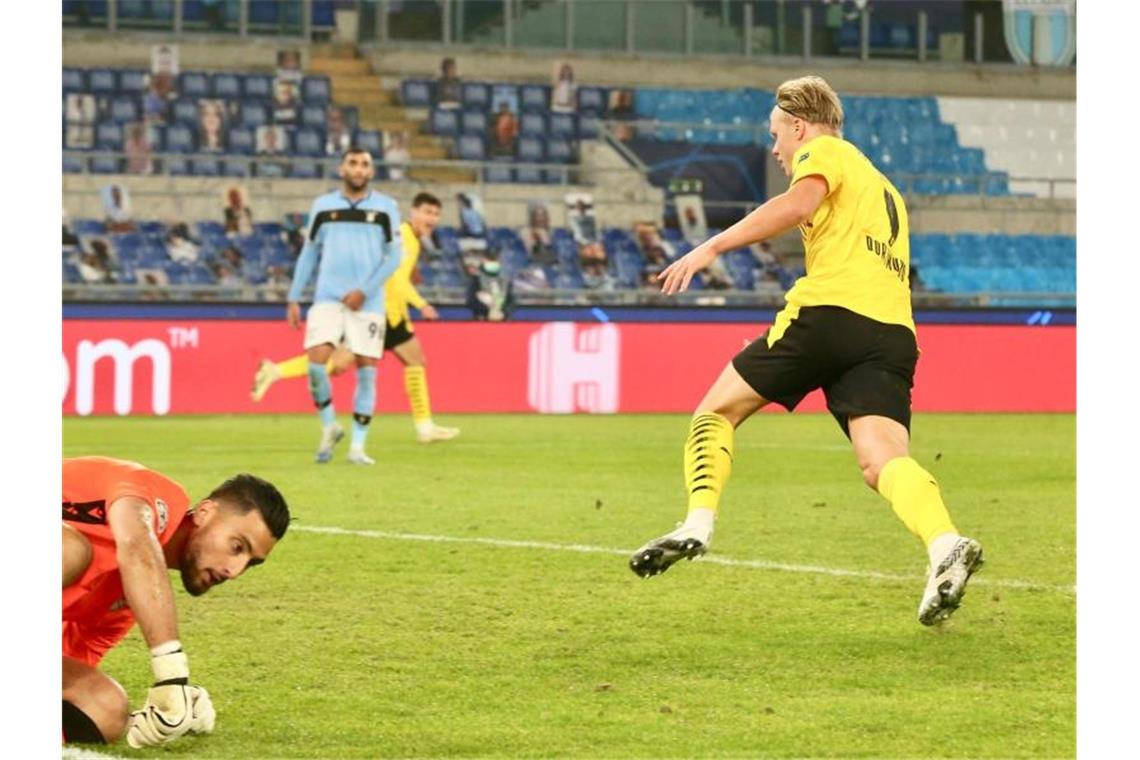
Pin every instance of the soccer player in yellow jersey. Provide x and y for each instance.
(399, 337)
(847, 328)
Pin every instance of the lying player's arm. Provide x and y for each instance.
(775, 217)
(173, 707)
(146, 581)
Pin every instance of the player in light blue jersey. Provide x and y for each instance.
(353, 243)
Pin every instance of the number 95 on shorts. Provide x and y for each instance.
(332, 322)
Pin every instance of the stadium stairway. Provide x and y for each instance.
(353, 81)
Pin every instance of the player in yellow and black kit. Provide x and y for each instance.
(847, 328)
(399, 337)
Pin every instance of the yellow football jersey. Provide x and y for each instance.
(399, 291)
(857, 244)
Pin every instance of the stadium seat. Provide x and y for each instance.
(193, 84)
(309, 142)
(314, 116)
(257, 86)
(124, 108)
(235, 167)
(370, 140)
(205, 167)
(241, 140)
(102, 82)
(184, 110)
(416, 93)
(563, 125)
(226, 85)
(471, 147)
(532, 175)
(74, 80)
(444, 121)
(559, 150)
(591, 100)
(532, 123)
(316, 90)
(498, 172)
(254, 113)
(180, 139)
(474, 122)
(534, 97)
(132, 81)
(531, 148)
(109, 136)
(476, 95)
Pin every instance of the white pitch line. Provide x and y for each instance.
(758, 564)
(76, 753)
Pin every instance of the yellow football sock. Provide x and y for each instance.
(915, 498)
(415, 385)
(298, 366)
(708, 459)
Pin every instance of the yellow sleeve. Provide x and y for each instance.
(819, 158)
(401, 283)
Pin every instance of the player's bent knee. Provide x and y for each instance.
(871, 472)
(95, 709)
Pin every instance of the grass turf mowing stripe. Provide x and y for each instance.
(750, 563)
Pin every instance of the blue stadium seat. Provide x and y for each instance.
(109, 136)
(316, 90)
(474, 122)
(444, 121)
(476, 95)
(534, 97)
(205, 167)
(370, 140)
(193, 84)
(177, 167)
(124, 108)
(74, 80)
(254, 113)
(416, 93)
(309, 142)
(532, 123)
(563, 125)
(226, 85)
(314, 116)
(559, 150)
(235, 167)
(531, 148)
(132, 81)
(498, 172)
(531, 175)
(106, 165)
(180, 138)
(102, 82)
(471, 147)
(184, 110)
(591, 100)
(241, 140)
(257, 86)
(589, 126)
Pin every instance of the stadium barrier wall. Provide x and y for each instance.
(158, 367)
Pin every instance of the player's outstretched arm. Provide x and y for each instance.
(775, 217)
(173, 707)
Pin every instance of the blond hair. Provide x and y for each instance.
(811, 98)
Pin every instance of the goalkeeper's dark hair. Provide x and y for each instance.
(246, 492)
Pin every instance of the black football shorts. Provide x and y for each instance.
(863, 366)
(397, 334)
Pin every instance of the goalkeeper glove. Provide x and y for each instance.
(173, 707)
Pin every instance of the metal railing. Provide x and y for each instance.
(804, 29)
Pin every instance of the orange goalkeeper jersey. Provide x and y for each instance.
(95, 613)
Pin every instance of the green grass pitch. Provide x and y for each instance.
(364, 645)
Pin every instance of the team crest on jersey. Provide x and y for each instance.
(804, 157)
(333, 216)
(370, 217)
(163, 514)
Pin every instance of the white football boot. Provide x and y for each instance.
(356, 455)
(331, 435)
(947, 582)
(267, 374)
(436, 433)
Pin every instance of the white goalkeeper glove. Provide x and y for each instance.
(173, 707)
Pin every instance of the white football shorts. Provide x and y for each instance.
(332, 322)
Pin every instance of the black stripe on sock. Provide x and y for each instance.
(361, 419)
(323, 404)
